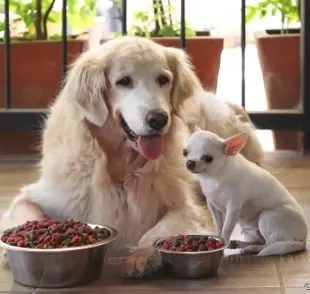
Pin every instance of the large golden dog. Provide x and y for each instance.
(112, 146)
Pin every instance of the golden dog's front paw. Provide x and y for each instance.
(142, 262)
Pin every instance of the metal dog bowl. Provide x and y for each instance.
(58, 268)
(199, 264)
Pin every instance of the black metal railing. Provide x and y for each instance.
(64, 48)
(305, 73)
(7, 56)
(22, 119)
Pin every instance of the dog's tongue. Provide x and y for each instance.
(151, 147)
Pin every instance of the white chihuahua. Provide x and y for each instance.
(239, 191)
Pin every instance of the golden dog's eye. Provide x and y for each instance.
(125, 82)
(162, 80)
(207, 158)
(185, 152)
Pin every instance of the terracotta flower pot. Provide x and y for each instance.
(35, 81)
(205, 53)
(279, 57)
(35, 71)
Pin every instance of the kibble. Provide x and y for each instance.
(190, 243)
(53, 234)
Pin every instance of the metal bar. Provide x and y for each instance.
(277, 120)
(23, 120)
(305, 72)
(243, 45)
(7, 55)
(273, 120)
(64, 48)
(124, 18)
(183, 32)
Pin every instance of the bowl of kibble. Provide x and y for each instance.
(56, 253)
(191, 256)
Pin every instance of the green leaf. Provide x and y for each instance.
(141, 16)
(274, 11)
(250, 14)
(118, 35)
(263, 13)
(137, 31)
(167, 31)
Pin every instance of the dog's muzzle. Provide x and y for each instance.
(150, 145)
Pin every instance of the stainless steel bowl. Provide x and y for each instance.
(199, 264)
(58, 268)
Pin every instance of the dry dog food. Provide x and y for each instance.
(51, 234)
(188, 243)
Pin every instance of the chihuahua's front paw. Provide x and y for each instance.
(233, 244)
(142, 262)
(225, 237)
(237, 244)
(218, 232)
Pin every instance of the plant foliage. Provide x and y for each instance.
(35, 14)
(288, 11)
(158, 21)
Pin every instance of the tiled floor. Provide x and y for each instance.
(237, 274)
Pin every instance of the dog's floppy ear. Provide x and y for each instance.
(185, 81)
(85, 86)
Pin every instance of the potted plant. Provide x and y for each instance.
(158, 23)
(36, 54)
(36, 59)
(279, 57)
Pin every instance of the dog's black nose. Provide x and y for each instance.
(156, 119)
(190, 164)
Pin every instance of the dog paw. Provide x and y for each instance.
(233, 244)
(245, 251)
(141, 263)
(237, 244)
(252, 249)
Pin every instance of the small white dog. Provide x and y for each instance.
(239, 191)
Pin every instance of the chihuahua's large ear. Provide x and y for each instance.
(234, 145)
(85, 86)
(185, 81)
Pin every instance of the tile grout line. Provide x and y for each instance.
(279, 276)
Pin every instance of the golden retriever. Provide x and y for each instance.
(112, 146)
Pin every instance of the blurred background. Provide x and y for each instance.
(213, 29)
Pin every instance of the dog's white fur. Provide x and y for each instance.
(238, 191)
(91, 172)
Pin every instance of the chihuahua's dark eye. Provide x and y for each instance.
(207, 158)
(162, 80)
(125, 82)
(185, 152)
